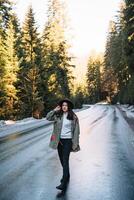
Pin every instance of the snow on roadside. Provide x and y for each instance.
(20, 126)
(8, 127)
(11, 122)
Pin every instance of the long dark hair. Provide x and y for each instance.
(71, 115)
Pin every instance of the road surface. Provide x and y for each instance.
(102, 170)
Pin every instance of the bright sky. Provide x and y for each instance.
(89, 20)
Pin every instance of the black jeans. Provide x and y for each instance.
(64, 149)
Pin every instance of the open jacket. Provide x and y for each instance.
(52, 116)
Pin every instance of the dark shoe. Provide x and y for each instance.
(62, 186)
(60, 194)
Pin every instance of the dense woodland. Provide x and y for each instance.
(36, 68)
(112, 75)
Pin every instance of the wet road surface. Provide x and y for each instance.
(102, 170)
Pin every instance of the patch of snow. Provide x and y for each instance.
(9, 122)
(103, 102)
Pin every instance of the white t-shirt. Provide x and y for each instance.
(66, 127)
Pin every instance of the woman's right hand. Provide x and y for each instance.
(57, 108)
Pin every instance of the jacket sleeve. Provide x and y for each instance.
(51, 115)
(76, 134)
(77, 130)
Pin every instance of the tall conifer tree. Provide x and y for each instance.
(57, 61)
(129, 34)
(29, 73)
(94, 78)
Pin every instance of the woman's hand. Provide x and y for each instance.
(57, 108)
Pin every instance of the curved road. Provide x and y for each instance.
(102, 170)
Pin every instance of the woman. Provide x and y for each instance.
(65, 136)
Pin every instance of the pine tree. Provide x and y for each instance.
(109, 83)
(8, 61)
(114, 55)
(12, 67)
(5, 14)
(3, 62)
(18, 37)
(29, 73)
(116, 58)
(79, 96)
(129, 34)
(94, 78)
(9, 68)
(57, 61)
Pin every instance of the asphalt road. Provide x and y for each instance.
(102, 170)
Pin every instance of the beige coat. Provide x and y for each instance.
(51, 116)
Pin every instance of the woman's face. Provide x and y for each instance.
(64, 106)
